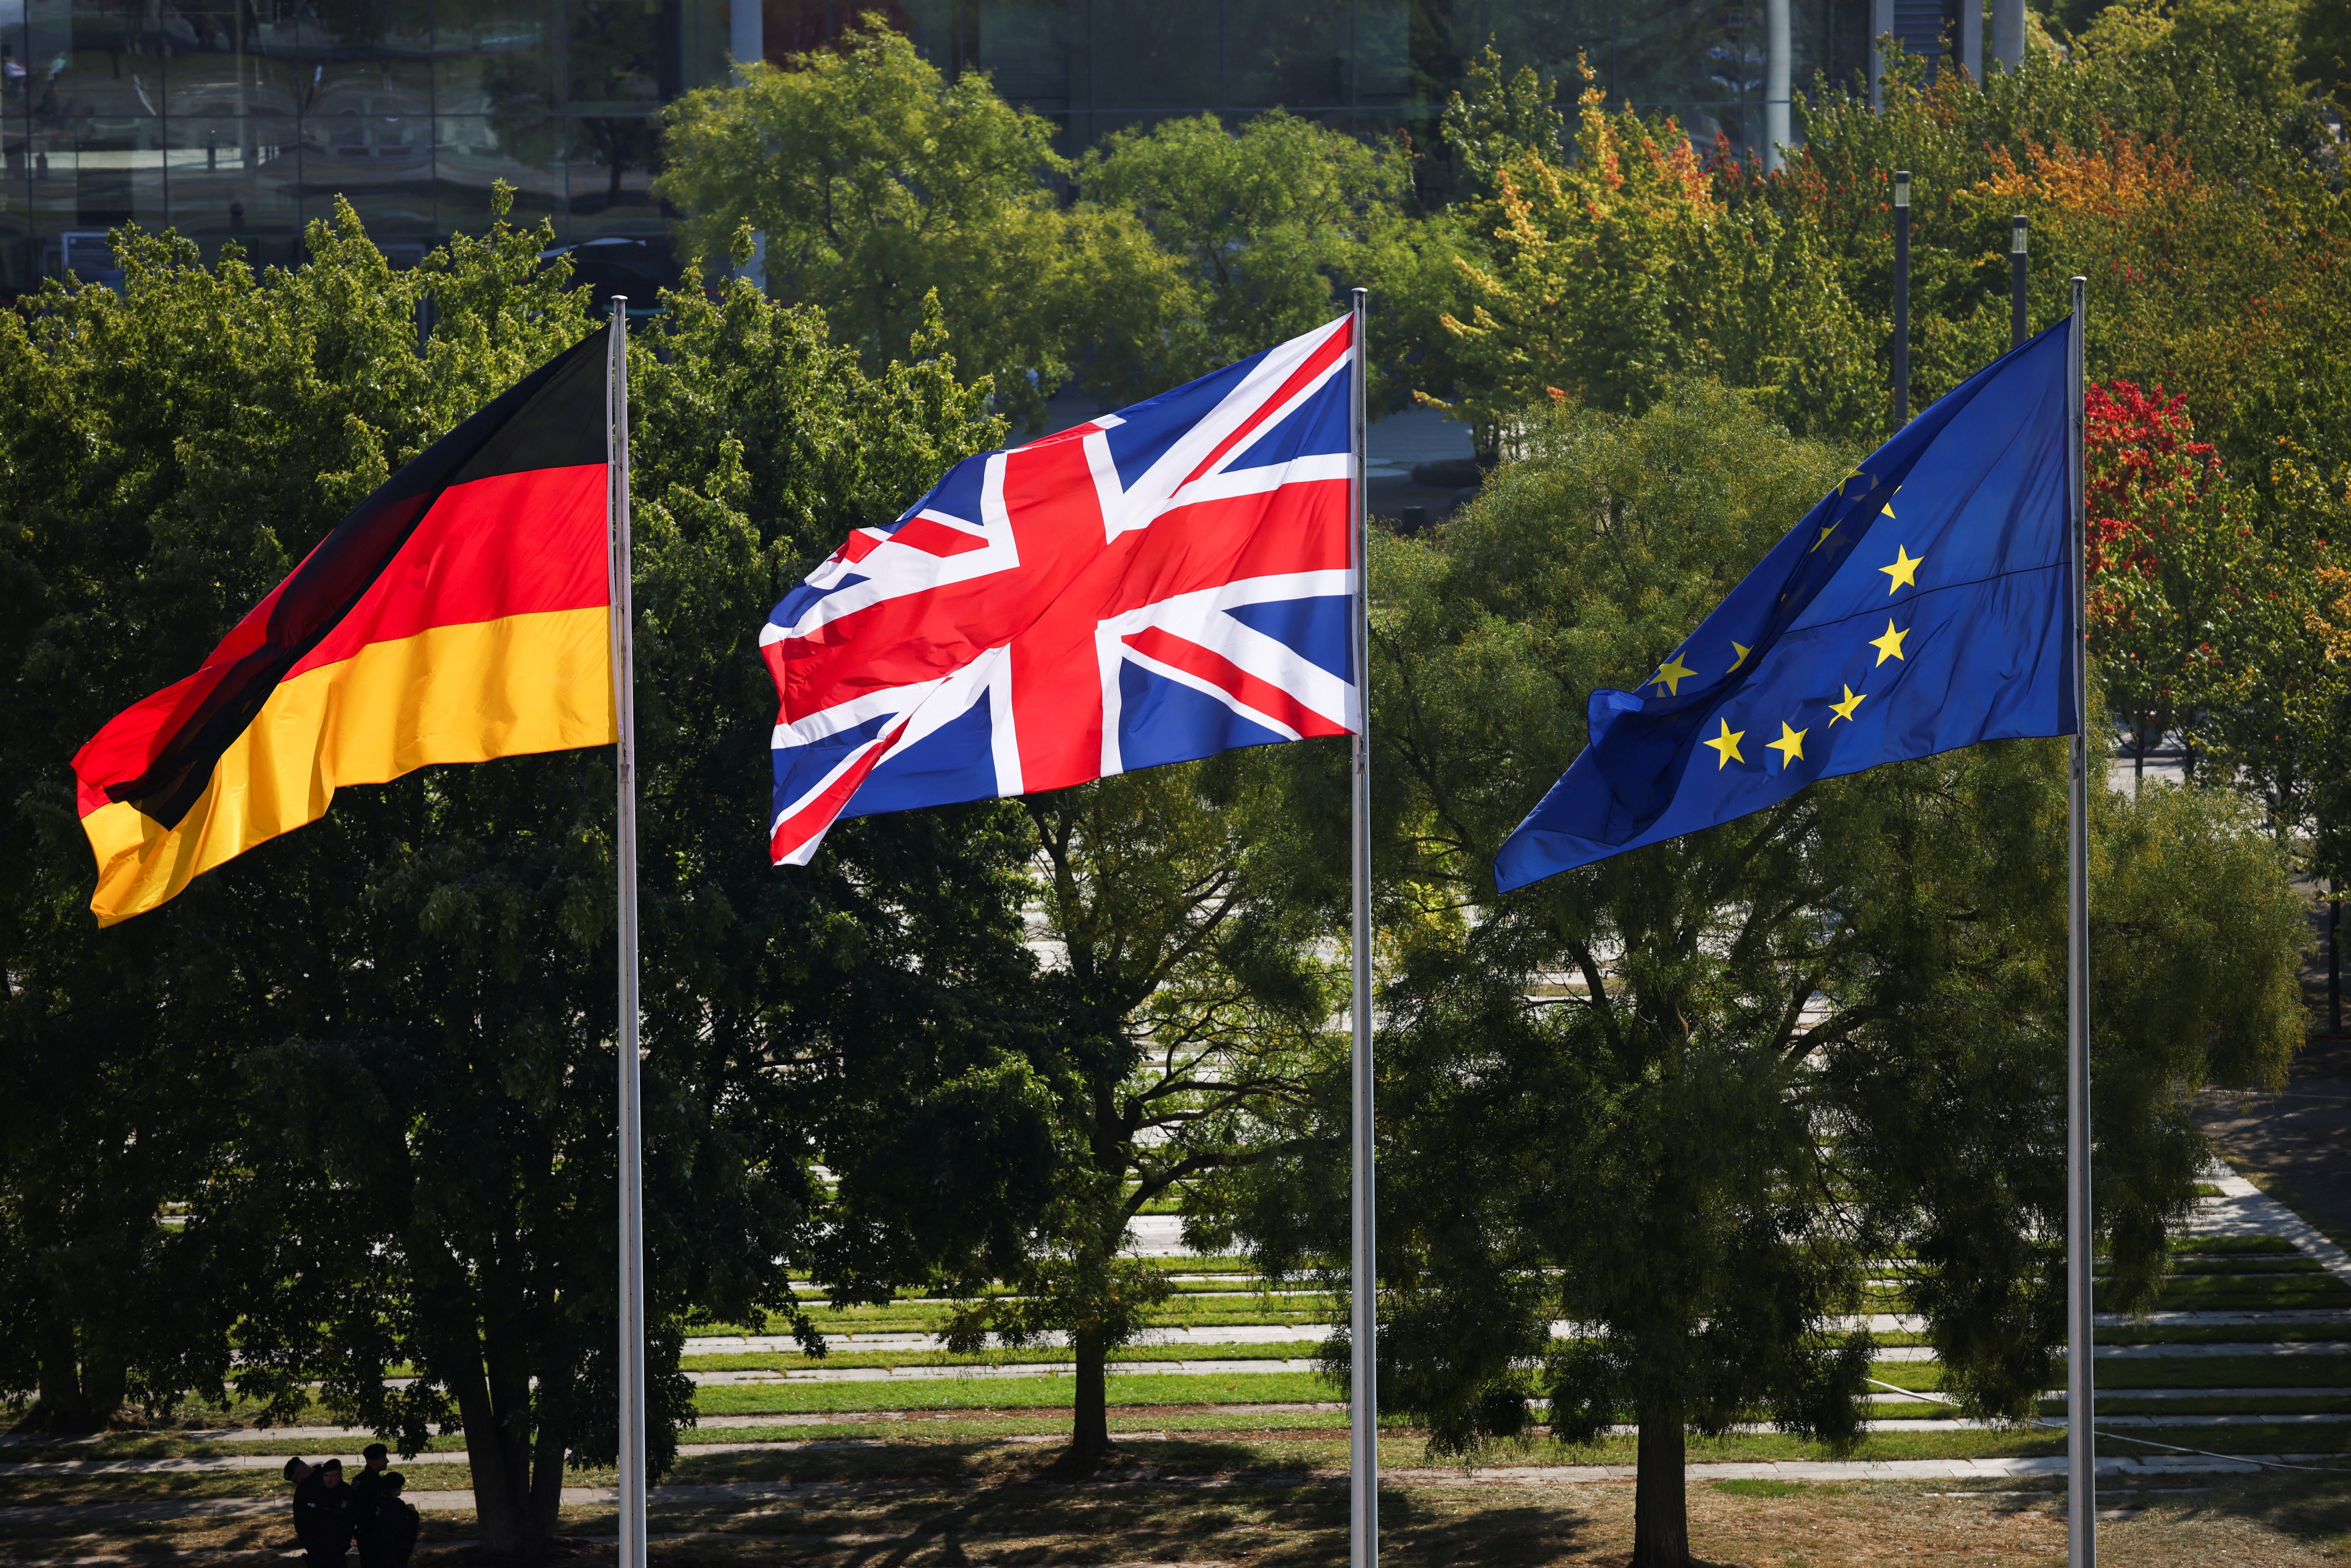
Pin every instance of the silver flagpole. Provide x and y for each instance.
(2081, 1442)
(633, 1205)
(1363, 1418)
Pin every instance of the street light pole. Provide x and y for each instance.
(1901, 298)
(2019, 325)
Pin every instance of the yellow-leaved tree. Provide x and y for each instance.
(1608, 277)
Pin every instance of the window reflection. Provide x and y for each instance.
(1383, 52)
(1025, 47)
(1294, 56)
(474, 151)
(234, 177)
(241, 117)
(496, 56)
(620, 50)
(612, 167)
(358, 145)
(94, 173)
(1158, 57)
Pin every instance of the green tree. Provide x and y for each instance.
(394, 1027)
(2201, 214)
(1606, 277)
(2324, 36)
(1266, 227)
(877, 181)
(1190, 997)
(1498, 121)
(2277, 691)
(1692, 1097)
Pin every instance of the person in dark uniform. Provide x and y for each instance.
(305, 1480)
(322, 1517)
(366, 1491)
(395, 1523)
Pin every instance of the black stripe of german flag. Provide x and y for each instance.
(458, 613)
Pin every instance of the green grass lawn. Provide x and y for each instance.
(2120, 1403)
(1007, 1393)
(788, 1361)
(1183, 1312)
(2233, 1245)
(2320, 1332)
(2242, 1263)
(2195, 1292)
(2223, 1372)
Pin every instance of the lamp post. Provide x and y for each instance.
(1901, 298)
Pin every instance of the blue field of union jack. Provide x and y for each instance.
(1152, 586)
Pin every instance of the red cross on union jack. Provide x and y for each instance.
(1155, 585)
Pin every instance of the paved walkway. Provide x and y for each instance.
(2244, 1210)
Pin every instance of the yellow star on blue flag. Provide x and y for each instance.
(1978, 646)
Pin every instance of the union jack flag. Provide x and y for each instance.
(1155, 585)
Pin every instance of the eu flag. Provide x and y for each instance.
(1923, 605)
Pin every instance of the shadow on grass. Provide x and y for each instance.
(2314, 1509)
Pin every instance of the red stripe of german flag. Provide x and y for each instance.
(459, 614)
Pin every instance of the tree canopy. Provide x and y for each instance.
(372, 1060)
(1654, 1126)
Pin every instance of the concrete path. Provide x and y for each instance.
(2244, 1210)
(2248, 1347)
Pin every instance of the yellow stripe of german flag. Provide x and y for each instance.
(453, 693)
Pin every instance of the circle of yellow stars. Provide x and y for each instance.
(1902, 573)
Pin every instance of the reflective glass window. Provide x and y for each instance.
(707, 43)
(234, 177)
(473, 150)
(18, 270)
(93, 61)
(225, 73)
(609, 174)
(618, 49)
(94, 173)
(1549, 34)
(1382, 46)
(1692, 52)
(382, 163)
(15, 55)
(1025, 47)
(1158, 57)
(494, 57)
(934, 25)
(1297, 56)
(377, 50)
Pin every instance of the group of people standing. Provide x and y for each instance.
(329, 1514)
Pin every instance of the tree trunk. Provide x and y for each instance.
(105, 1380)
(59, 1406)
(1660, 1506)
(1089, 1433)
(515, 1521)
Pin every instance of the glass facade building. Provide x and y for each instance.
(245, 119)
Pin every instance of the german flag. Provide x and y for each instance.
(461, 613)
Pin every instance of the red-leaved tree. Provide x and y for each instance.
(2164, 552)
